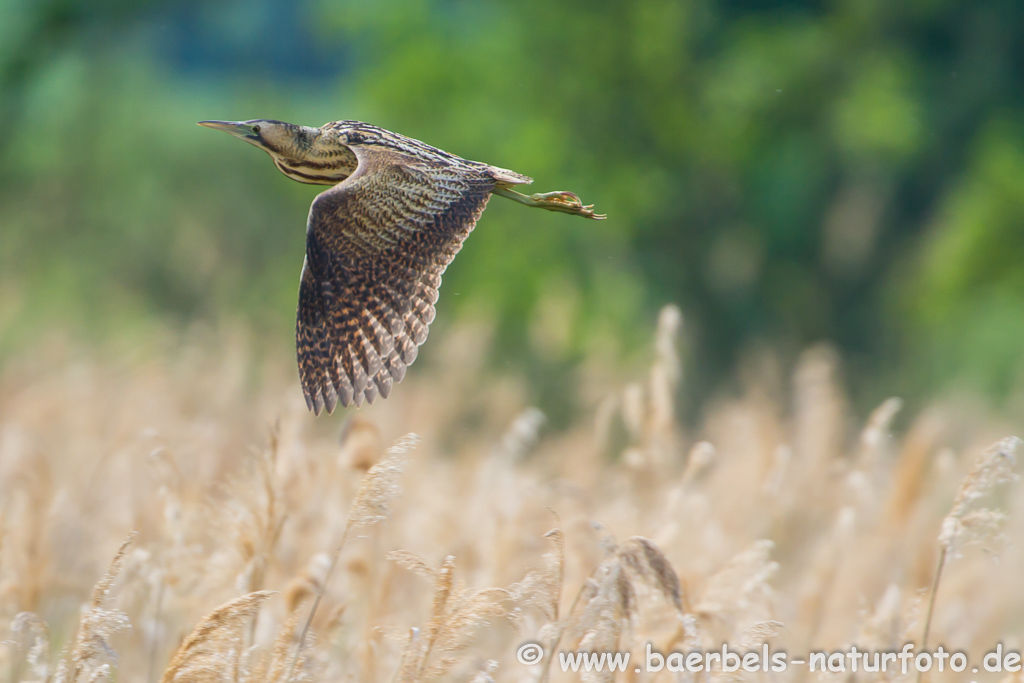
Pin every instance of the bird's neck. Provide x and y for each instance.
(318, 168)
(314, 174)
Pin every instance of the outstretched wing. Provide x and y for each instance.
(376, 246)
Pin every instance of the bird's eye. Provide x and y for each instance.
(355, 137)
(256, 129)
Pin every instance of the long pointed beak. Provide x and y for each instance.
(236, 128)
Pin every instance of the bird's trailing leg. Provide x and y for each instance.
(564, 202)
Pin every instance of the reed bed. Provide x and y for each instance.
(178, 518)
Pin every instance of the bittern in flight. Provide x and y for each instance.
(377, 243)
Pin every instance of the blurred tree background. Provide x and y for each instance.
(787, 172)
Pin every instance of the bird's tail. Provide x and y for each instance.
(507, 177)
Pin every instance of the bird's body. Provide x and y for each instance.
(377, 243)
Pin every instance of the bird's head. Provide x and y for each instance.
(302, 153)
(277, 138)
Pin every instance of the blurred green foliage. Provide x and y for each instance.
(787, 172)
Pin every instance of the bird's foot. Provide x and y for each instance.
(565, 202)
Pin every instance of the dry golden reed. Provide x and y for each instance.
(213, 651)
(92, 657)
(779, 517)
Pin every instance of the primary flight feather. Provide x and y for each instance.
(377, 243)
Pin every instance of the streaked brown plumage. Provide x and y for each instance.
(377, 243)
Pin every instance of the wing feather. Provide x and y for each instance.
(376, 247)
